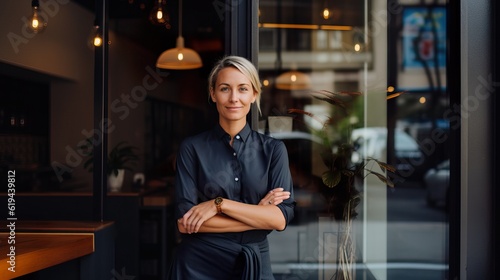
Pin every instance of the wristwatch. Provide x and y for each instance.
(218, 203)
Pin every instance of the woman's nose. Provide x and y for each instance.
(232, 96)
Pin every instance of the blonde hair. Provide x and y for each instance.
(244, 66)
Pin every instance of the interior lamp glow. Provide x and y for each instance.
(35, 22)
(159, 14)
(97, 41)
(357, 47)
(179, 58)
(326, 13)
(293, 80)
(95, 38)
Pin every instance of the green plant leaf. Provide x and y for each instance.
(309, 114)
(331, 178)
(336, 98)
(384, 166)
(121, 156)
(386, 180)
(348, 173)
(88, 163)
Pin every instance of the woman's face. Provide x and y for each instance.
(233, 95)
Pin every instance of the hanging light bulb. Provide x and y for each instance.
(97, 41)
(358, 41)
(95, 38)
(293, 80)
(36, 23)
(326, 13)
(159, 14)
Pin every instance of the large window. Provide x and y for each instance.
(386, 63)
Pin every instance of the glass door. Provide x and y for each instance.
(350, 86)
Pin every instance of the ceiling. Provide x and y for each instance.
(129, 18)
(203, 28)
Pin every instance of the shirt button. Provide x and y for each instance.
(238, 137)
(234, 154)
(236, 179)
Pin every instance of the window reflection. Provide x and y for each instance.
(397, 120)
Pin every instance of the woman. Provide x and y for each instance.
(233, 186)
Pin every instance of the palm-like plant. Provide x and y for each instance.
(121, 156)
(340, 190)
(336, 151)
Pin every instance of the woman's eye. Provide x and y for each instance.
(224, 89)
(243, 89)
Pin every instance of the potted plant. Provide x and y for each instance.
(339, 189)
(121, 157)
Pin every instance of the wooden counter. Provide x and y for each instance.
(44, 244)
(56, 226)
(131, 213)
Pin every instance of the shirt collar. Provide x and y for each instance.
(244, 133)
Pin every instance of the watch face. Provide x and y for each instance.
(218, 200)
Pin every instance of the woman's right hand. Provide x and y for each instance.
(275, 197)
(197, 215)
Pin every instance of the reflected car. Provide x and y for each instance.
(306, 167)
(437, 184)
(371, 142)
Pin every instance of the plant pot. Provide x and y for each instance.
(337, 253)
(115, 182)
(279, 124)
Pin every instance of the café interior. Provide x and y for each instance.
(94, 78)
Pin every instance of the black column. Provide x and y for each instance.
(453, 68)
(100, 114)
(496, 133)
(241, 22)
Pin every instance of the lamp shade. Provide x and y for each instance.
(179, 58)
(293, 80)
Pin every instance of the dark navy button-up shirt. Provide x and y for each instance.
(208, 167)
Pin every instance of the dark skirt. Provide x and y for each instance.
(221, 256)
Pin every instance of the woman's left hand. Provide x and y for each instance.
(275, 197)
(197, 215)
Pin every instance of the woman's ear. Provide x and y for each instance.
(212, 94)
(254, 96)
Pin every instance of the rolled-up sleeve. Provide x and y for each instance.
(280, 176)
(185, 180)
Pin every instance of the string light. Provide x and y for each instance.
(159, 14)
(326, 13)
(95, 37)
(36, 23)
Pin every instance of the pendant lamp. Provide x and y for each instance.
(179, 58)
(293, 80)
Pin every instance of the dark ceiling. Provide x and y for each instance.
(129, 18)
(203, 26)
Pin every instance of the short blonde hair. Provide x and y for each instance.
(244, 66)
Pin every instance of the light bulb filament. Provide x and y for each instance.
(35, 23)
(159, 14)
(97, 41)
(326, 13)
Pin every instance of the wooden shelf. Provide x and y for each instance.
(56, 226)
(44, 244)
(37, 251)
